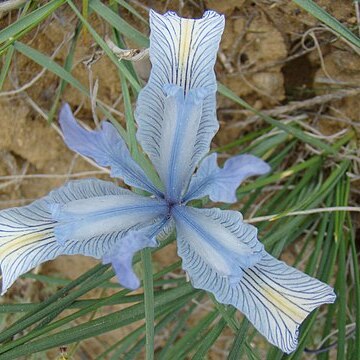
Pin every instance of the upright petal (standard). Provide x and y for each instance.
(182, 53)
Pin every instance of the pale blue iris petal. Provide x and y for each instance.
(220, 184)
(181, 121)
(85, 218)
(277, 298)
(106, 147)
(182, 53)
(215, 245)
(121, 255)
(27, 233)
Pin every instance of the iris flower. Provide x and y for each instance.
(176, 118)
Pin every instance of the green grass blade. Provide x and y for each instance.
(181, 323)
(5, 68)
(46, 62)
(209, 340)
(315, 10)
(191, 338)
(340, 240)
(287, 128)
(149, 302)
(354, 255)
(98, 326)
(118, 23)
(132, 10)
(28, 22)
(67, 66)
(106, 48)
(236, 350)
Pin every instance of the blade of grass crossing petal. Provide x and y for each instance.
(315, 10)
(149, 302)
(287, 128)
(6, 66)
(118, 23)
(29, 21)
(130, 121)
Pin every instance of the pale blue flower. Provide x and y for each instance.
(176, 120)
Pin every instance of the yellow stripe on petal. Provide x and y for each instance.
(277, 298)
(16, 242)
(281, 302)
(186, 30)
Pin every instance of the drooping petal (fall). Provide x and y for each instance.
(220, 184)
(183, 54)
(216, 247)
(277, 298)
(222, 255)
(87, 217)
(106, 147)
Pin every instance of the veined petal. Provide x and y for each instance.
(216, 247)
(182, 53)
(181, 119)
(106, 147)
(27, 234)
(121, 255)
(220, 184)
(277, 298)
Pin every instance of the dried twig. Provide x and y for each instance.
(8, 5)
(300, 105)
